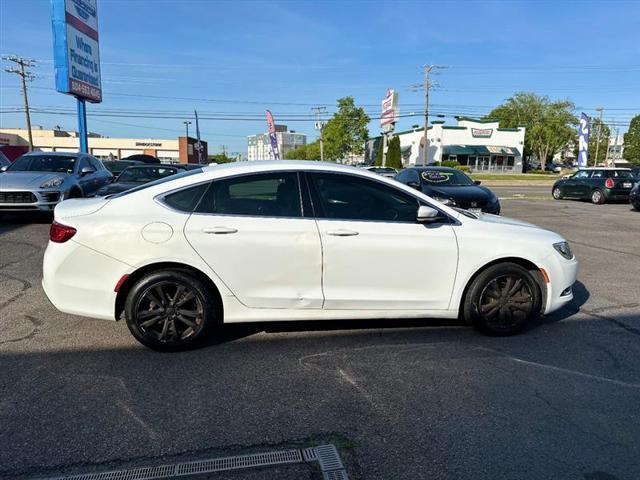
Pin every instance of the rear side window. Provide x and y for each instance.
(268, 195)
(598, 174)
(625, 174)
(187, 199)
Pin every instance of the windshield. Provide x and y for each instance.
(43, 163)
(185, 173)
(448, 178)
(145, 174)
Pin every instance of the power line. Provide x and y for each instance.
(25, 76)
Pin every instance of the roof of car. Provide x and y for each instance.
(56, 154)
(605, 168)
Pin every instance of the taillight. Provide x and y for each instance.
(609, 183)
(61, 233)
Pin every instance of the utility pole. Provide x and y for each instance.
(428, 85)
(186, 124)
(319, 111)
(595, 161)
(24, 76)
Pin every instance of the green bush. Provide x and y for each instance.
(464, 168)
(450, 164)
(394, 157)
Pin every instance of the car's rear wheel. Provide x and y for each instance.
(597, 197)
(502, 300)
(170, 310)
(557, 193)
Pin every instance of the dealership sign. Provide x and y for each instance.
(271, 125)
(389, 115)
(583, 140)
(481, 132)
(76, 53)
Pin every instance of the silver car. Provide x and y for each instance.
(40, 180)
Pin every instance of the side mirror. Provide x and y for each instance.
(415, 185)
(427, 214)
(4, 168)
(477, 182)
(86, 171)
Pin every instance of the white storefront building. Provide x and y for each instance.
(481, 145)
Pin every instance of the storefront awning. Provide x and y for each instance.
(479, 150)
(458, 150)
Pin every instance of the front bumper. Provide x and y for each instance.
(562, 275)
(30, 200)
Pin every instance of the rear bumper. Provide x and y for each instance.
(81, 281)
(617, 194)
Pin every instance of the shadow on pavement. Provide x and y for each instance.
(14, 220)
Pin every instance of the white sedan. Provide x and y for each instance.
(267, 241)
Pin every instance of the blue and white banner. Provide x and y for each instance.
(271, 125)
(76, 52)
(584, 130)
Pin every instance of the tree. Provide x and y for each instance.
(394, 157)
(632, 142)
(310, 151)
(599, 130)
(221, 158)
(550, 125)
(346, 132)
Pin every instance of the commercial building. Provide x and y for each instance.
(481, 145)
(259, 146)
(179, 150)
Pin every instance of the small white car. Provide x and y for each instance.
(285, 240)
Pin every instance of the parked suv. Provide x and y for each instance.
(596, 184)
(41, 180)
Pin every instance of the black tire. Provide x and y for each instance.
(502, 300)
(557, 193)
(597, 197)
(154, 316)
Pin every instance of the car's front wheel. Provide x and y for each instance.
(557, 193)
(170, 310)
(502, 299)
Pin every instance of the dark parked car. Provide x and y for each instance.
(451, 187)
(141, 157)
(635, 171)
(39, 180)
(116, 167)
(634, 196)
(384, 171)
(595, 184)
(138, 175)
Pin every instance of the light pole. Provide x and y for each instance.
(186, 124)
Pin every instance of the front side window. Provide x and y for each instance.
(264, 195)
(347, 197)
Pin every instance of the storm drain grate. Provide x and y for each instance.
(326, 455)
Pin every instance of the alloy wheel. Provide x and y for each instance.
(506, 301)
(169, 312)
(557, 194)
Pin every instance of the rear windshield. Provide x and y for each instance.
(160, 181)
(621, 174)
(43, 163)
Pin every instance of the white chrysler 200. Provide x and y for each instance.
(265, 241)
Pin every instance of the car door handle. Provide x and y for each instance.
(342, 232)
(219, 230)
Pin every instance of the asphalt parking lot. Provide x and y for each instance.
(400, 399)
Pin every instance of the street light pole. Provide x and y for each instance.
(186, 124)
(427, 87)
(595, 161)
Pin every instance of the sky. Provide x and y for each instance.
(232, 60)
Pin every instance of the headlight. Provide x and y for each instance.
(54, 182)
(564, 249)
(445, 201)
